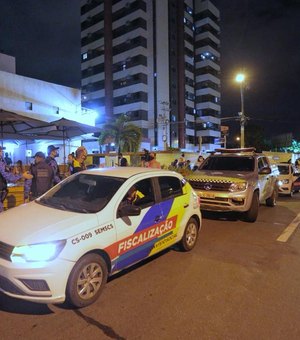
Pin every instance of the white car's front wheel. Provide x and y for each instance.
(86, 280)
(190, 235)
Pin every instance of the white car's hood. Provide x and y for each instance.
(34, 223)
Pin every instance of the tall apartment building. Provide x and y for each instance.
(157, 61)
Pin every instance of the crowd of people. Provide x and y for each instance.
(42, 174)
(182, 164)
(148, 160)
(44, 171)
(8, 176)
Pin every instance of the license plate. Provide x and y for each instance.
(207, 195)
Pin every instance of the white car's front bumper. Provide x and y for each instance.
(37, 282)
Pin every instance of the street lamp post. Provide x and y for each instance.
(240, 78)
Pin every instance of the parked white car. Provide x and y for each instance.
(286, 178)
(66, 243)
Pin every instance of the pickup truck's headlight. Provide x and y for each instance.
(39, 252)
(238, 186)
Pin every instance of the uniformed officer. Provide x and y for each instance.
(42, 177)
(52, 153)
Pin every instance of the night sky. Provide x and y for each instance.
(260, 37)
(44, 36)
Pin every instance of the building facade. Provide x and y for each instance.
(158, 62)
(34, 98)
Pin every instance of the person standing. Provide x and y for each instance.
(122, 160)
(6, 177)
(187, 165)
(18, 168)
(198, 163)
(7, 159)
(43, 176)
(153, 163)
(78, 162)
(70, 161)
(50, 160)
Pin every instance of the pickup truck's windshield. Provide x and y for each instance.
(229, 163)
(283, 170)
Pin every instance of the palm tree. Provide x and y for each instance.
(126, 136)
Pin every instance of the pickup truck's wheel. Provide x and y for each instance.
(271, 201)
(86, 280)
(190, 235)
(252, 213)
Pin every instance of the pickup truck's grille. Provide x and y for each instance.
(5, 251)
(215, 185)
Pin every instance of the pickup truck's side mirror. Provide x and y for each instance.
(265, 171)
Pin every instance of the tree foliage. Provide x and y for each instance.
(294, 147)
(255, 137)
(126, 136)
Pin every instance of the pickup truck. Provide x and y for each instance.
(237, 180)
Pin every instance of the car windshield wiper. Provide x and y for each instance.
(55, 204)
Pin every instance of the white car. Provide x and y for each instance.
(65, 244)
(286, 178)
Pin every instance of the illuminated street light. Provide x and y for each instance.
(240, 78)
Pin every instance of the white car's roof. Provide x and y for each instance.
(126, 172)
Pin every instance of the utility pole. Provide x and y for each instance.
(164, 120)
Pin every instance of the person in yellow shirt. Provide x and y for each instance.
(78, 162)
(133, 195)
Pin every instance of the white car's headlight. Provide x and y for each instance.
(238, 186)
(39, 252)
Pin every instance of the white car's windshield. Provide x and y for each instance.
(85, 193)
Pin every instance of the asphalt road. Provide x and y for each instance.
(240, 282)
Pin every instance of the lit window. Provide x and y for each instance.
(84, 56)
(28, 106)
(189, 10)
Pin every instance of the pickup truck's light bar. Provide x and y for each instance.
(236, 150)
